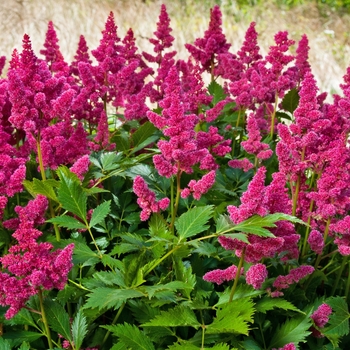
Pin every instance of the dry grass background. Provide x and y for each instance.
(328, 33)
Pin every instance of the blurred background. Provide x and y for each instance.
(326, 23)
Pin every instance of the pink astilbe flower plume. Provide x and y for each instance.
(147, 199)
(220, 276)
(180, 153)
(52, 53)
(200, 187)
(256, 275)
(30, 266)
(205, 50)
(320, 318)
(82, 55)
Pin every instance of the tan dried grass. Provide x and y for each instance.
(328, 35)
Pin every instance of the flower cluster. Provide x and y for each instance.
(31, 265)
(147, 199)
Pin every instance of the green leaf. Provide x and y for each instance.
(143, 136)
(178, 316)
(4, 344)
(217, 91)
(290, 101)
(110, 161)
(193, 221)
(46, 188)
(71, 194)
(256, 224)
(68, 222)
(339, 319)
(131, 336)
(24, 346)
(58, 318)
(294, 330)
(24, 317)
(100, 212)
(233, 317)
(82, 253)
(79, 329)
(182, 346)
(110, 297)
(266, 304)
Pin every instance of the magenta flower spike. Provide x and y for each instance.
(256, 275)
(2, 63)
(205, 50)
(31, 266)
(147, 199)
(52, 53)
(82, 55)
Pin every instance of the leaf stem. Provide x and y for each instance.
(113, 322)
(335, 285)
(238, 274)
(319, 256)
(43, 315)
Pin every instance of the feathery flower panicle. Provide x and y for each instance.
(244, 164)
(205, 50)
(220, 276)
(165, 60)
(101, 140)
(256, 275)
(147, 199)
(252, 200)
(52, 53)
(107, 53)
(193, 85)
(249, 52)
(30, 266)
(181, 152)
(321, 315)
(81, 166)
(200, 187)
(81, 55)
(341, 230)
(301, 59)
(254, 145)
(316, 241)
(294, 276)
(213, 141)
(61, 144)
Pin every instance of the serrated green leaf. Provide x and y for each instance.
(182, 346)
(46, 188)
(58, 318)
(83, 253)
(100, 212)
(339, 319)
(266, 304)
(23, 317)
(176, 317)
(110, 297)
(4, 344)
(223, 223)
(194, 221)
(67, 222)
(131, 336)
(217, 91)
(294, 330)
(110, 161)
(143, 136)
(233, 317)
(24, 346)
(71, 194)
(79, 329)
(256, 224)
(290, 101)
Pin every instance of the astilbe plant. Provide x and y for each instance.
(142, 209)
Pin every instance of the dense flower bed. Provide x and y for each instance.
(143, 208)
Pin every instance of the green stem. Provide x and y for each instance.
(40, 158)
(341, 269)
(238, 274)
(319, 256)
(157, 262)
(113, 322)
(93, 239)
(273, 114)
(297, 187)
(203, 330)
(347, 284)
(307, 230)
(43, 316)
(177, 199)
